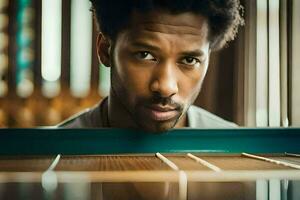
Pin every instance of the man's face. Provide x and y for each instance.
(158, 66)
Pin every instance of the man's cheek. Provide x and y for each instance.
(190, 92)
(139, 86)
(190, 88)
(134, 90)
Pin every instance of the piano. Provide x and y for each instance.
(183, 164)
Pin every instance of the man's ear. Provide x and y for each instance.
(103, 50)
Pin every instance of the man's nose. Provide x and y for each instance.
(164, 80)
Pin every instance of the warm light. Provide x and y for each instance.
(3, 3)
(3, 21)
(274, 64)
(3, 62)
(51, 39)
(3, 41)
(51, 89)
(81, 47)
(25, 87)
(262, 64)
(3, 88)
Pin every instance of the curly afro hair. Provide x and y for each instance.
(224, 16)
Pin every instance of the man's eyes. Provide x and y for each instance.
(144, 55)
(190, 61)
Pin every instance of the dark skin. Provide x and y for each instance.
(158, 65)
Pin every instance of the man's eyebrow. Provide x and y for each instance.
(145, 45)
(195, 53)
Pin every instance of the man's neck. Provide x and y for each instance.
(118, 115)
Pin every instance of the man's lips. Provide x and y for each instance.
(161, 113)
(162, 108)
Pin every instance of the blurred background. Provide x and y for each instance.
(49, 69)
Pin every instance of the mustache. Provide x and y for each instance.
(164, 101)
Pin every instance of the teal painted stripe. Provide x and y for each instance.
(25, 40)
(117, 141)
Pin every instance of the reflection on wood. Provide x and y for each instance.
(25, 164)
(144, 176)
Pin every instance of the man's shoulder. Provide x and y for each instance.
(200, 118)
(88, 118)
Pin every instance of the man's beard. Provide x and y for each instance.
(136, 109)
(151, 125)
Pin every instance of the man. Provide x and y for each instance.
(158, 52)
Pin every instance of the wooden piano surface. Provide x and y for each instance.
(66, 166)
(141, 176)
(147, 162)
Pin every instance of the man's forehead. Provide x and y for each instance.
(165, 22)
